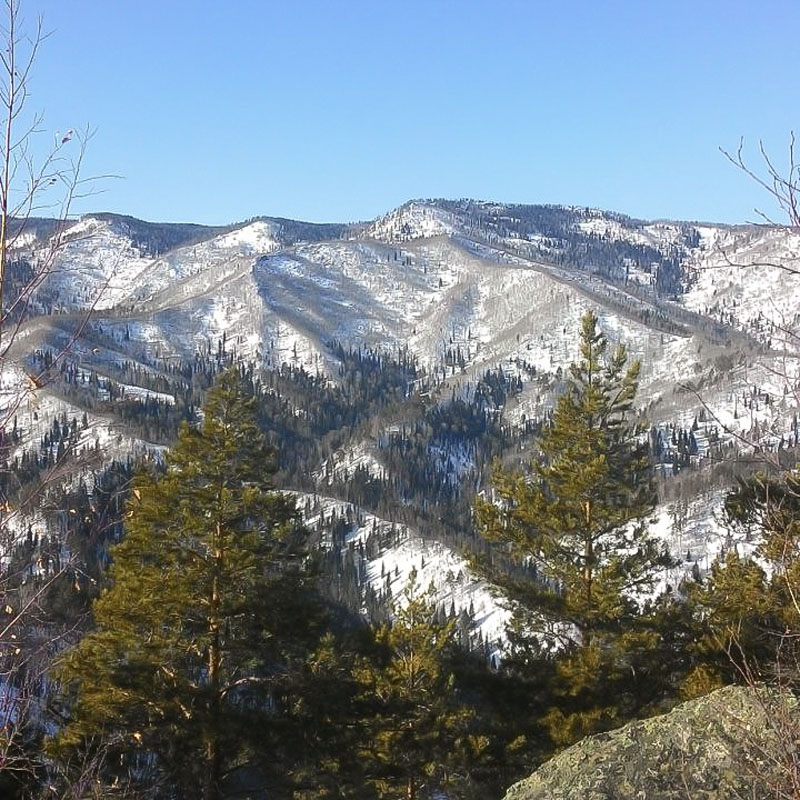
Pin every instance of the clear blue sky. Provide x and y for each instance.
(326, 110)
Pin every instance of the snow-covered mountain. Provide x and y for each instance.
(462, 288)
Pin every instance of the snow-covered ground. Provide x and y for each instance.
(439, 569)
(695, 534)
(749, 277)
(97, 266)
(418, 279)
(413, 220)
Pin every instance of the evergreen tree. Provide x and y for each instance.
(769, 508)
(581, 513)
(733, 613)
(187, 668)
(747, 617)
(578, 523)
(417, 732)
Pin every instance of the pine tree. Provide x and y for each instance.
(746, 616)
(581, 512)
(733, 614)
(578, 523)
(187, 665)
(769, 507)
(417, 729)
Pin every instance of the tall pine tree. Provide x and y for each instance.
(417, 729)
(187, 670)
(578, 523)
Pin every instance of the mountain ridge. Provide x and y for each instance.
(479, 298)
(430, 201)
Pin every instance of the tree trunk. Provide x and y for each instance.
(211, 787)
(588, 553)
(588, 568)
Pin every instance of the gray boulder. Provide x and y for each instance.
(733, 743)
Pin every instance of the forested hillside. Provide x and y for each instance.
(384, 509)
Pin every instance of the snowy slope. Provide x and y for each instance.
(749, 277)
(465, 287)
(417, 219)
(98, 265)
(438, 568)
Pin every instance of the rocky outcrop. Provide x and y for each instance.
(729, 744)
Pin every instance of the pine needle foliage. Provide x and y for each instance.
(195, 636)
(418, 730)
(747, 610)
(580, 514)
(578, 523)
